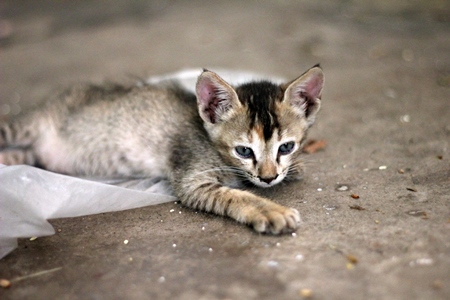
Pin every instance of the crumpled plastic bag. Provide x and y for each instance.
(30, 196)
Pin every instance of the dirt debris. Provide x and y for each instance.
(312, 146)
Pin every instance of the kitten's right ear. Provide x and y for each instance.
(215, 97)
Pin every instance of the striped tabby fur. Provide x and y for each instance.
(207, 144)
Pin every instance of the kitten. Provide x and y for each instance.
(207, 144)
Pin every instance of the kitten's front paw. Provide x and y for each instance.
(276, 219)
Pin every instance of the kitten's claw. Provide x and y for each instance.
(277, 221)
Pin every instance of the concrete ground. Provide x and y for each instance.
(385, 118)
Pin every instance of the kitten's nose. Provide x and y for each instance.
(268, 180)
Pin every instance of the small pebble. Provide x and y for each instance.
(5, 283)
(299, 257)
(405, 119)
(174, 245)
(417, 213)
(342, 188)
(172, 210)
(305, 293)
(437, 284)
(161, 279)
(421, 262)
(319, 189)
(425, 261)
(278, 244)
(294, 234)
(352, 259)
(331, 207)
(210, 249)
(272, 263)
(33, 238)
(382, 167)
(125, 242)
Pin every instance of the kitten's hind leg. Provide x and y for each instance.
(17, 157)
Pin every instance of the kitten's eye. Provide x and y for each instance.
(244, 152)
(286, 148)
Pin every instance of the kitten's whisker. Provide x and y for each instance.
(236, 171)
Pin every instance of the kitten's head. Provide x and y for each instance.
(260, 127)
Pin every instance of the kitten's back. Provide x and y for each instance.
(109, 130)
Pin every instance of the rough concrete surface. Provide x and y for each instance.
(385, 118)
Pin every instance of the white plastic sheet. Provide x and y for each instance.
(30, 196)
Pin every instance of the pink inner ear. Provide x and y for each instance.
(214, 97)
(206, 92)
(207, 95)
(313, 86)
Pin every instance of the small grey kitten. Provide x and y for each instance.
(206, 144)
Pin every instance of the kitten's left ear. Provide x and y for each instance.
(215, 97)
(305, 92)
